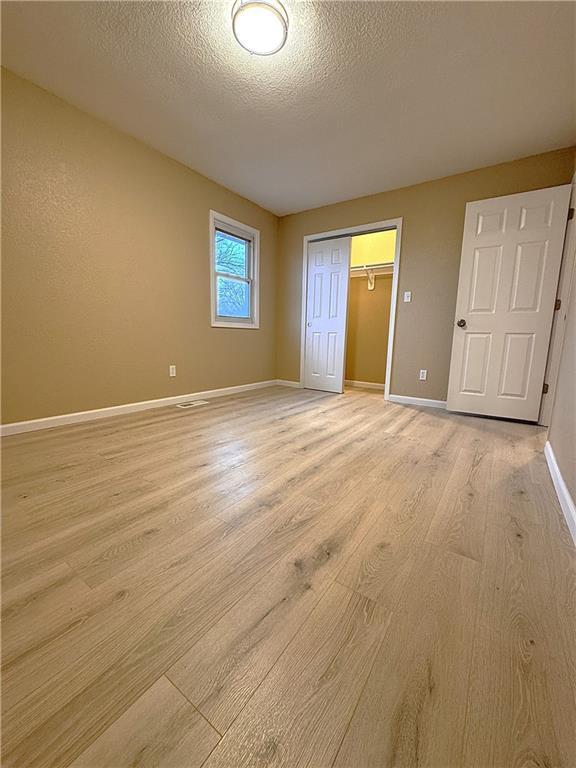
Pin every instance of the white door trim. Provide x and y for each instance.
(362, 228)
(566, 284)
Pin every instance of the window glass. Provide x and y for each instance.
(232, 297)
(232, 254)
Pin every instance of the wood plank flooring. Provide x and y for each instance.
(286, 578)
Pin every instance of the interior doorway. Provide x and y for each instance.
(369, 303)
(331, 261)
(511, 256)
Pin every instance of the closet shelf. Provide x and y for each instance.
(383, 269)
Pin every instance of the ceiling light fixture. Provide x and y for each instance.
(260, 26)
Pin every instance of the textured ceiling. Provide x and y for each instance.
(364, 97)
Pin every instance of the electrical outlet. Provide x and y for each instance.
(407, 296)
(172, 370)
(423, 374)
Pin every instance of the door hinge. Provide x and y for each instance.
(570, 213)
(545, 389)
(557, 304)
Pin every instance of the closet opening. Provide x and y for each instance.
(349, 295)
(369, 303)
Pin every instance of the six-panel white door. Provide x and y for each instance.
(511, 255)
(326, 307)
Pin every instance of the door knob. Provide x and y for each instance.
(461, 323)
(309, 325)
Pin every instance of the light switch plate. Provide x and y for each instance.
(407, 295)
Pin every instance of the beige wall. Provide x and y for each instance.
(433, 215)
(106, 267)
(367, 331)
(562, 432)
(106, 273)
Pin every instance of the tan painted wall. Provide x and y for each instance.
(367, 331)
(106, 267)
(373, 248)
(106, 273)
(433, 215)
(562, 432)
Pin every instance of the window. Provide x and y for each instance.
(234, 252)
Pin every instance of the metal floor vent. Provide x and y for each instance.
(192, 404)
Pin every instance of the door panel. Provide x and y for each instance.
(317, 296)
(486, 273)
(511, 255)
(537, 216)
(334, 286)
(528, 277)
(327, 297)
(490, 223)
(331, 362)
(476, 360)
(516, 364)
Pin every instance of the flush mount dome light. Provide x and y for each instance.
(260, 26)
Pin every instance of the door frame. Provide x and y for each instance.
(566, 284)
(375, 226)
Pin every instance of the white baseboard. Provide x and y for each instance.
(364, 384)
(403, 400)
(288, 383)
(564, 497)
(115, 410)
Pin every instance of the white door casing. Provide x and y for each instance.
(326, 308)
(565, 281)
(511, 255)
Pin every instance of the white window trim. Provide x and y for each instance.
(220, 221)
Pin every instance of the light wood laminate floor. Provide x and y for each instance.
(286, 578)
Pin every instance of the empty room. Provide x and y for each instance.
(288, 416)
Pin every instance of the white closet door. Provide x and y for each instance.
(326, 307)
(511, 255)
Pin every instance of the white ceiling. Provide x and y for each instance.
(364, 97)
